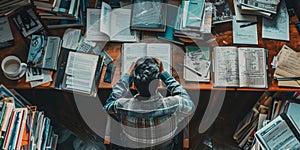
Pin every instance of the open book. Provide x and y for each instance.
(109, 24)
(79, 72)
(240, 67)
(280, 133)
(133, 51)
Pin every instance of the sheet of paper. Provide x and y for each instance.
(105, 19)
(244, 35)
(226, 66)
(93, 26)
(71, 38)
(278, 27)
(252, 67)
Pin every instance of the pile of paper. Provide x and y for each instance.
(37, 76)
(287, 67)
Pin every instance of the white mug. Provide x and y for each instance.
(13, 68)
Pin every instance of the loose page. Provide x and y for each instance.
(252, 67)
(163, 53)
(288, 66)
(226, 67)
(244, 35)
(130, 53)
(120, 26)
(105, 19)
(278, 27)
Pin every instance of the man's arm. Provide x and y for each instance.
(119, 90)
(186, 105)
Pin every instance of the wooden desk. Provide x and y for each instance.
(222, 35)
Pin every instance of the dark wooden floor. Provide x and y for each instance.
(60, 107)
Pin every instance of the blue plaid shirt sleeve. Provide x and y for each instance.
(186, 105)
(119, 90)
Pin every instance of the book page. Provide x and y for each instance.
(80, 71)
(105, 19)
(252, 67)
(120, 26)
(130, 53)
(93, 26)
(163, 52)
(226, 66)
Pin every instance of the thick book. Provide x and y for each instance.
(6, 36)
(149, 15)
(197, 62)
(280, 133)
(107, 24)
(79, 72)
(132, 51)
(44, 51)
(240, 67)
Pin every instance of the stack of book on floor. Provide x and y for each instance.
(266, 8)
(274, 114)
(22, 125)
(61, 13)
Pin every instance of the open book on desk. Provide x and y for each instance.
(108, 24)
(133, 51)
(240, 67)
(79, 72)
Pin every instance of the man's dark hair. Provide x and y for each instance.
(146, 76)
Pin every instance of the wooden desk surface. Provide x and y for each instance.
(222, 35)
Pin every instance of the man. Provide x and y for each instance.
(148, 119)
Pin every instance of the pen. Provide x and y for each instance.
(193, 70)
(286, 78)
(247, 24)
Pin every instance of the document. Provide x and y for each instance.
(240, 67)
(288, 66)
(246, 34)
(80, 72)
(133, 51)
(278, 27)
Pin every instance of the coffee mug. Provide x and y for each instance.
(13, 68)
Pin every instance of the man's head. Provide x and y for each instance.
(146, 76)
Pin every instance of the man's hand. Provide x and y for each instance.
(160, 65)
(130, 71)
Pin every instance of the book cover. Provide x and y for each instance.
(44, 51)
(197, 59)
(221, 11)
(195, 13)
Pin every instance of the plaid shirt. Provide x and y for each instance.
(149, 120)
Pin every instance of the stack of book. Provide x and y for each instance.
(7, 7)
(266, 8)
(62, 13)
(22, 125)
(251, 132)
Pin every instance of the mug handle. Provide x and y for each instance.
(23, 69)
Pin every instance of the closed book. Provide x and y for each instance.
(6, 37)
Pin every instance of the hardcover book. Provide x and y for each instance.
(6, 37)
